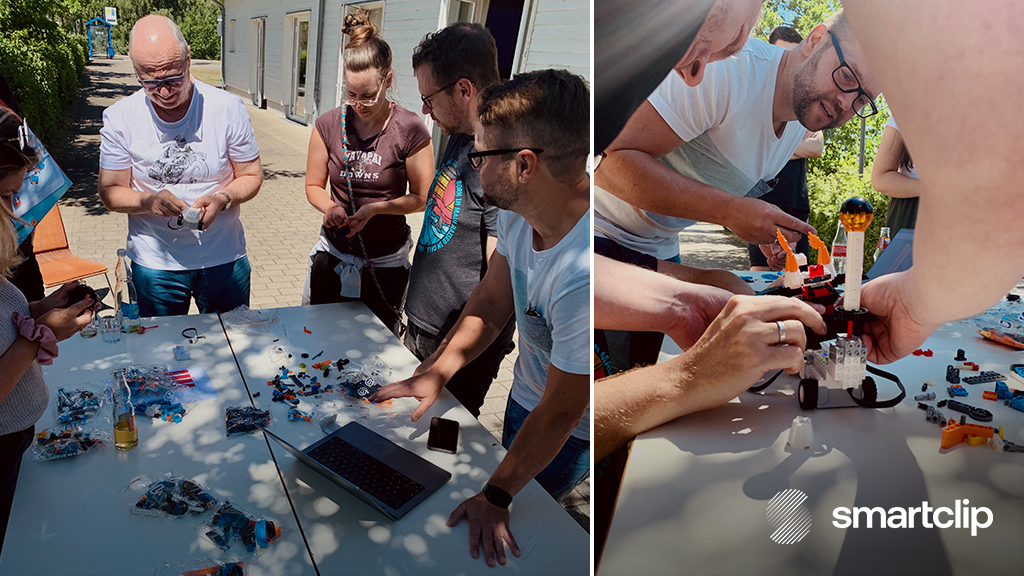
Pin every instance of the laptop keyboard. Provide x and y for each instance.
(366, 472)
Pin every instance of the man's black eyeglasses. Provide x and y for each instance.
(155, 83)
(477, 158)
(848, 83)
(426, 99)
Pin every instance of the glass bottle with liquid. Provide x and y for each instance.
(883, 241)
(126, 434)
(839, 250)
(126, 301)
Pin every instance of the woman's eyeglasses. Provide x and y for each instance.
(366, 102)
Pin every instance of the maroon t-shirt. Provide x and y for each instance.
(376, 168)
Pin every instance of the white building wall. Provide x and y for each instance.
(406, 22)
(559, 37)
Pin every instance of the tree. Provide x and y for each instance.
(196, 18)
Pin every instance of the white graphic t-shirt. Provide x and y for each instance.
(190, 158)
(552, 302)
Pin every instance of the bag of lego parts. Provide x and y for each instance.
(1003, 323)
(168, 496)
(232, 528)
(202, 567)
(66, 441)
(247, 321)
(82, 403)
(156, 394)
(245, 419)
(363, 381)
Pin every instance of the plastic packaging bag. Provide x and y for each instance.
(82, 402)
(1003, 323)
(245, 419)
(157, 395)
(247, 321)
(169, 496)
(202, 567)
(230, 523)
(363, 381)
(66, 441)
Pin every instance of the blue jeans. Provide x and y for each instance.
(570, 466)
(167, 292)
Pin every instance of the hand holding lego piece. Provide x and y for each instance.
(895, 332)
(748, 328)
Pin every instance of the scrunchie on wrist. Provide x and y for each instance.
(40, 333)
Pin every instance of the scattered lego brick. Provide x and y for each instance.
(952, 374)
(986, 376)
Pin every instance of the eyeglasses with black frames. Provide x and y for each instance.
(426, 99)
(476, 158)
(847, 82)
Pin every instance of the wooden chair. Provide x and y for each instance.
(56, 262)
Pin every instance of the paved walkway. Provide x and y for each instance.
(280, 225)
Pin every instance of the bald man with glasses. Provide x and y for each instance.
(176, 144)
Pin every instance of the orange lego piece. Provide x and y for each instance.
(989, 395)
(956, 433)
(815, 242)
(320, 365)
(306, 330)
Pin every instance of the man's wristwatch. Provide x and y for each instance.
(225, 194)
(497, 496)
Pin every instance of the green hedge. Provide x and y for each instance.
(43, 71)
(827, 194)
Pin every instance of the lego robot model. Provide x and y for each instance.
(809, 283)
(836, 377)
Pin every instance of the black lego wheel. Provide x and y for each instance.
(870, 390)
(808, 393)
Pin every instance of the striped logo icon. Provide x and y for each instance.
(788, 516)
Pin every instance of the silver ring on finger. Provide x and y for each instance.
(782, 332)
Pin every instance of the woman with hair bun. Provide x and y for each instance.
(372, 151)
(28, 332)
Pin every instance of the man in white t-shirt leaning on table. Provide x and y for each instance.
(174, 144)
(532, 141)
(706, 152)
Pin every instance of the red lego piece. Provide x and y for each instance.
(306, 330)
(925, 353)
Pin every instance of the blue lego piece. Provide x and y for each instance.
(1002, 391)
(1017, 403)
(956, 390)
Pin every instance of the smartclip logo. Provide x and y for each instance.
(960, 516)
(788, 515)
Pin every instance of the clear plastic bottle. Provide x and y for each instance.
(126, 301)
(883, 241)
(839, 250)
(126, 434)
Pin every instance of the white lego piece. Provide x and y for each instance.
(801, 434)
(854, 269)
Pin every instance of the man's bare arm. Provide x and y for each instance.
(971, 159)
(631, 171)
(117, 194)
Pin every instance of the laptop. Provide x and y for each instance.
(897, 256)
(374, 469)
